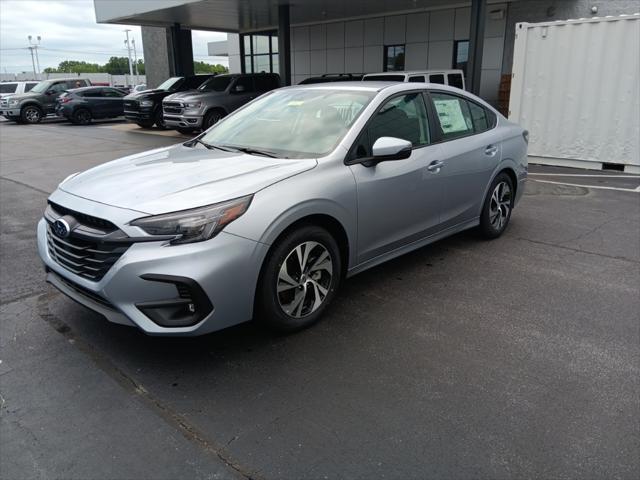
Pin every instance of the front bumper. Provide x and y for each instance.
(225, 267)
(10, 112)
(183, 121)
(145, 113)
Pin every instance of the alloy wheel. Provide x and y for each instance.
(32, 115)
(500, 206)
(304, 279)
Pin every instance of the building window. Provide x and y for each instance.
(461, 55)
(393, 58)
(260, 52)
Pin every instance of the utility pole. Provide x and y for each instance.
(126, 42)
(33, 46)
(135, 60)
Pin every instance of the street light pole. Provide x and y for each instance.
(135, 60)
(33, 46)
(126, 42)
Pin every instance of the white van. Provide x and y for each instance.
(14, 88)
(453, 78)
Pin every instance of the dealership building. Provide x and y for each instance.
(303, 38)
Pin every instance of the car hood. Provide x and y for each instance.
(23, 96)
(179, 177)
(192, 95)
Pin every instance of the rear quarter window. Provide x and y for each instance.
(455, 80)
(437, 78)
(8, 87)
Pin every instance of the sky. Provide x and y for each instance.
(69, 32)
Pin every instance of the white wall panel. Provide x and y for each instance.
(318, 62)
(372, 59)
(300, 38)
(441, 25)
(417, 27)
(301, 61)
(576, 88)
(354, 33)
(395, 29)
(373, 31)
(353, 60)
(492, 53)
(335, 60)
(416, 55)
(440, 54)
(335, 35)
(317, 37)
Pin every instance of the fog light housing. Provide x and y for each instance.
(189, 307)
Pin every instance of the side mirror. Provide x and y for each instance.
(238, 89)
(391, 148)
(51, 91)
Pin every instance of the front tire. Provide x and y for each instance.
(159, 120)
(497, 207)
(31, 114)
(300, 278)
(211, 118)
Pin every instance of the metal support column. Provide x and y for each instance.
(476, 44)
(284, 44)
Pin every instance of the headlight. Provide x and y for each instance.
(197, 224)
(193, 105)
(13, 101)
(146, 103)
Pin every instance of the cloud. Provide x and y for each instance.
(69, 32)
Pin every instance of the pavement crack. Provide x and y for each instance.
(177, 421)
(22, 184)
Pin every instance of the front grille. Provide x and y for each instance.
(172, 107)
(85, 292)
(4, 103)
(131, 105)
(87, 258)
(88, 220)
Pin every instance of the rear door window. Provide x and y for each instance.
(455, 80)
(111, 93)
(8, 87)
(454, 116)
(416, 78)
(245, 82)
(437, 78)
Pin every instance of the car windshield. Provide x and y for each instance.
(170, 83)
(292, 123)
(215, 84)
(384, 78)
(41, 87)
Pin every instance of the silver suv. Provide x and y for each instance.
(200, 109)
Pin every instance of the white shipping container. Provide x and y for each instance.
(576, 88)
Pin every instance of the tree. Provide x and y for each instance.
(203, 67)
(117, 66)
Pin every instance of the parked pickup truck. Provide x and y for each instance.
(217, 97)
(15, 88)
(145, 107)
(40, 101)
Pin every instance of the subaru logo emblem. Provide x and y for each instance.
(61, 228)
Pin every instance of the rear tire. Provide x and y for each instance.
(497, 207)
(299, 279)
(31, 114)
(82, 116)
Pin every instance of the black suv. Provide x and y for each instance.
(145, 108)
(40, 101)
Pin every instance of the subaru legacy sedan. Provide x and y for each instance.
(264, 214)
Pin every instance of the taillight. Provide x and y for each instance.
(525, 135)
(65, 99)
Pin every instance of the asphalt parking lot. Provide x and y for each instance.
(514, 358)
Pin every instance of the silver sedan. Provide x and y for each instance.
(263, 215)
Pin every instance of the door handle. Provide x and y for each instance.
(490, 150)
(435, 166)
